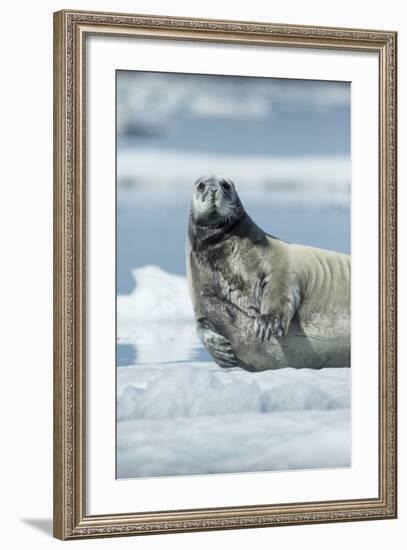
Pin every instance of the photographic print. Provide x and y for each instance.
(224, 274)
(232, 274)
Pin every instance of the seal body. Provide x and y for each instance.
(261, 303)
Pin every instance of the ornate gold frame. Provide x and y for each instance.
(70, 31)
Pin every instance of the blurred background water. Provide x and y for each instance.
(285, 143)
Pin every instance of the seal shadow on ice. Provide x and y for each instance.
(261, 303)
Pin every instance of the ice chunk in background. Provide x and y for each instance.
(158, 296)
(157, 317)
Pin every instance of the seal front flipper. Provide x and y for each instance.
(217, 345)
(277, 299)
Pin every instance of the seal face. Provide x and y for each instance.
(215, 202)
(261, 303)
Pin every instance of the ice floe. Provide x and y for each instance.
(178, 415)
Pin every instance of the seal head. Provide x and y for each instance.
(215, 210)
(215, 202)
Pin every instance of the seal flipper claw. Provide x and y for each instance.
(267, 326)
(217, 345)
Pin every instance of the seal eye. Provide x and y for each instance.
(225, 185)
(201, 186)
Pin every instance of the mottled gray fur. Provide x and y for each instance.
(261, 303)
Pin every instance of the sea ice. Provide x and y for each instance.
(178, 416)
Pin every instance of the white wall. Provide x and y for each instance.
(25, 299)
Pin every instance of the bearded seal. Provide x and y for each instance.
(261, 303)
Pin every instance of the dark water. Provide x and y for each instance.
(126, 354)
(285, 132)
(300, 118)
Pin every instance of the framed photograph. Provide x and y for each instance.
(225, 274)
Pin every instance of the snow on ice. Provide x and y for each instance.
(179, 416)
